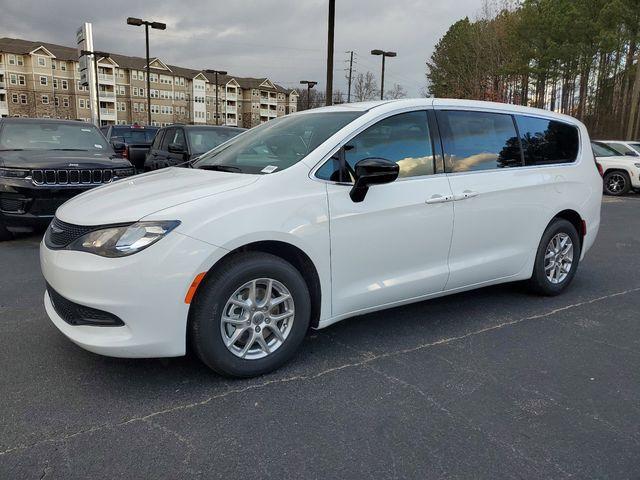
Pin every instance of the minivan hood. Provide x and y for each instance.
(131, 199)
(53, 159)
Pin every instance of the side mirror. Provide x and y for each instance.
(372, 171)
(118, 147)
(175, 148)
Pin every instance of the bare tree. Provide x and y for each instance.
(397, 91)
(364, 87)
(338, 96)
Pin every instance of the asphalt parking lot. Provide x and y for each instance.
(495, 383)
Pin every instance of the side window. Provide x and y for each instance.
(157, 140)
(546, 142)
(168, 138)
(479, 140)
(402, 138)
(179, 138)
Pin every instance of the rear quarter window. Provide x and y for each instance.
(546, 142)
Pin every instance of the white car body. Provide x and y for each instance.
(393, 248)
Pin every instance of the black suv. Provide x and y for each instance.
(180, 143)
(43, 163)
(131, 141)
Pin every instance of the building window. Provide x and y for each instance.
(81, 103)
(121, 90)
(56, 101)
(65, 85)
(23, 99)
(53, 64)
(13, 79)
(22, 80)
(65, 102)
(14, 98)
(43, 81)
(42, 62)
(63, 66)
(55, 83)
(20, 60)
(45, 99)
(135, 107)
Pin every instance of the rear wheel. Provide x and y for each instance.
(250, 315)
(557, 258)
(616, 183)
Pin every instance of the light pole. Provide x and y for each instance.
(215, 75)
(310, 84)
(330, 34)
(95, 55)
(384, 55)
(137, 22)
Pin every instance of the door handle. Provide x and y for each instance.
(437, 198)
(465, 194)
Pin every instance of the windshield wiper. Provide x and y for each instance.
(221, 168)
(70, 149)
(11, 149)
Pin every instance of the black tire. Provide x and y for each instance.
(539, 282)
(212, 295)
(4, 233)
(616, 182)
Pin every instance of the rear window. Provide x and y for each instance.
(603, 150)
(547, 142)
(134, 135)
(52, 136)
(479, 140)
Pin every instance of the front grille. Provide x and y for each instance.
(60, 234)
(76, 314)
(79, 176)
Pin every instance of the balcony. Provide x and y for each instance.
(231, 108)
(264, 112)
(3, 85)
(111, 95)
(108, 113)
(4, 108)
(105, 77)
(232, 95)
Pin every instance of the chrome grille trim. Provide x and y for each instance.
(73, 176)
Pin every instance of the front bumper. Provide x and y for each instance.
(146, 290)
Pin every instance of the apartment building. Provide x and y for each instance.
(39, 79)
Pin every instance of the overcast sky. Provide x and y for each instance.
(284, 40)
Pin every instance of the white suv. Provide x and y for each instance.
(318, 216)
(621, 172)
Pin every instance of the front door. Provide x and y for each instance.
(392, 246)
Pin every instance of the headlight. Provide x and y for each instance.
(120, 241)
(14, 173)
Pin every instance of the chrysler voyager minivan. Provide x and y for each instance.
(318, 216)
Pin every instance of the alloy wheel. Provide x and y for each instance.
(257, 318)
(558, 258)
(616, 183)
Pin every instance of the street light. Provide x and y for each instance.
(310, 84)
(95, 55)
(384, 55)
(137, 22)
(216, 73)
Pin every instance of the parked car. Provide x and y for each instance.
(43, 163)
(177, 144)
(621, 172)
(631, 149)
(318, 216)
(131, 141)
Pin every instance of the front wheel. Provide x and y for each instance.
(616, 183)
(250, 315)
(556, 259)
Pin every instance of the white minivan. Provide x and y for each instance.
(318, 216)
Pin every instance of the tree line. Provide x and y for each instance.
(579, 57)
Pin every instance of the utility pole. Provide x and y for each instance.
(310, 84)
(350, 75)
(332, 17)
(215, 74)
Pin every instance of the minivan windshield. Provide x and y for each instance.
(52, 136)
(277, 144)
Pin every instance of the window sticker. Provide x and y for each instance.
(269, 169)
(97, 145)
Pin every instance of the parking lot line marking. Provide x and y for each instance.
(365, 361)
